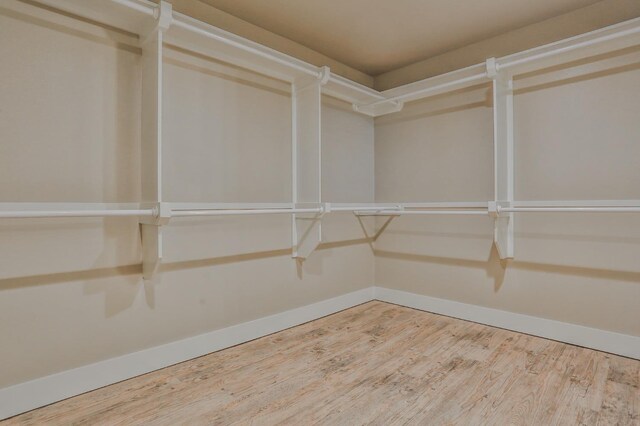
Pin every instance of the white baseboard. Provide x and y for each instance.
(602, 340)
(46, 390)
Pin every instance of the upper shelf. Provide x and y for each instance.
(191, 34)
(588, 45)
(139, 17)
(134, 16)
(202, 38)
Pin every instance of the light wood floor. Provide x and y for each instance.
(376, 363)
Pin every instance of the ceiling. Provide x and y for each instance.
(376, 36)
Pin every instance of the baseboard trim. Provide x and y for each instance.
(56, 387)
(602, 340)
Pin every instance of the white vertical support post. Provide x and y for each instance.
(306, 98)
(503, 159)
(151, 148)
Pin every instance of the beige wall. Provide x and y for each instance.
(577, 137)
(71, 292)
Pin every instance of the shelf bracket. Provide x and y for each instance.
(151, 234)
(163, 16)
(151, 141)
(306, 99)
(503, 146)
(371, 224)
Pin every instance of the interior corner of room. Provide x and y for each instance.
(176, 180)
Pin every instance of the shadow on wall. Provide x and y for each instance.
(496, 268)
(477, 96)
(581, 76)
(231, 73)
(314, 265)
(493, 266)
(120, 142)
(407, 244)
(481, 94)
(112, 37)
(119, 296)
(122, 148)
(121, 286)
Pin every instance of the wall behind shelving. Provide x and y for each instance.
(577, 136)
(71, 292)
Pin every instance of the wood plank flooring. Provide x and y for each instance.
(378, 364)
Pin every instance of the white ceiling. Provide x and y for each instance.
(376, 36)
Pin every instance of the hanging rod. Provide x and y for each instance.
(577, 203)
(40, 210)
(17, 214)
(223, 212)
(362, 208)
(569, 209)
(421, 212)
